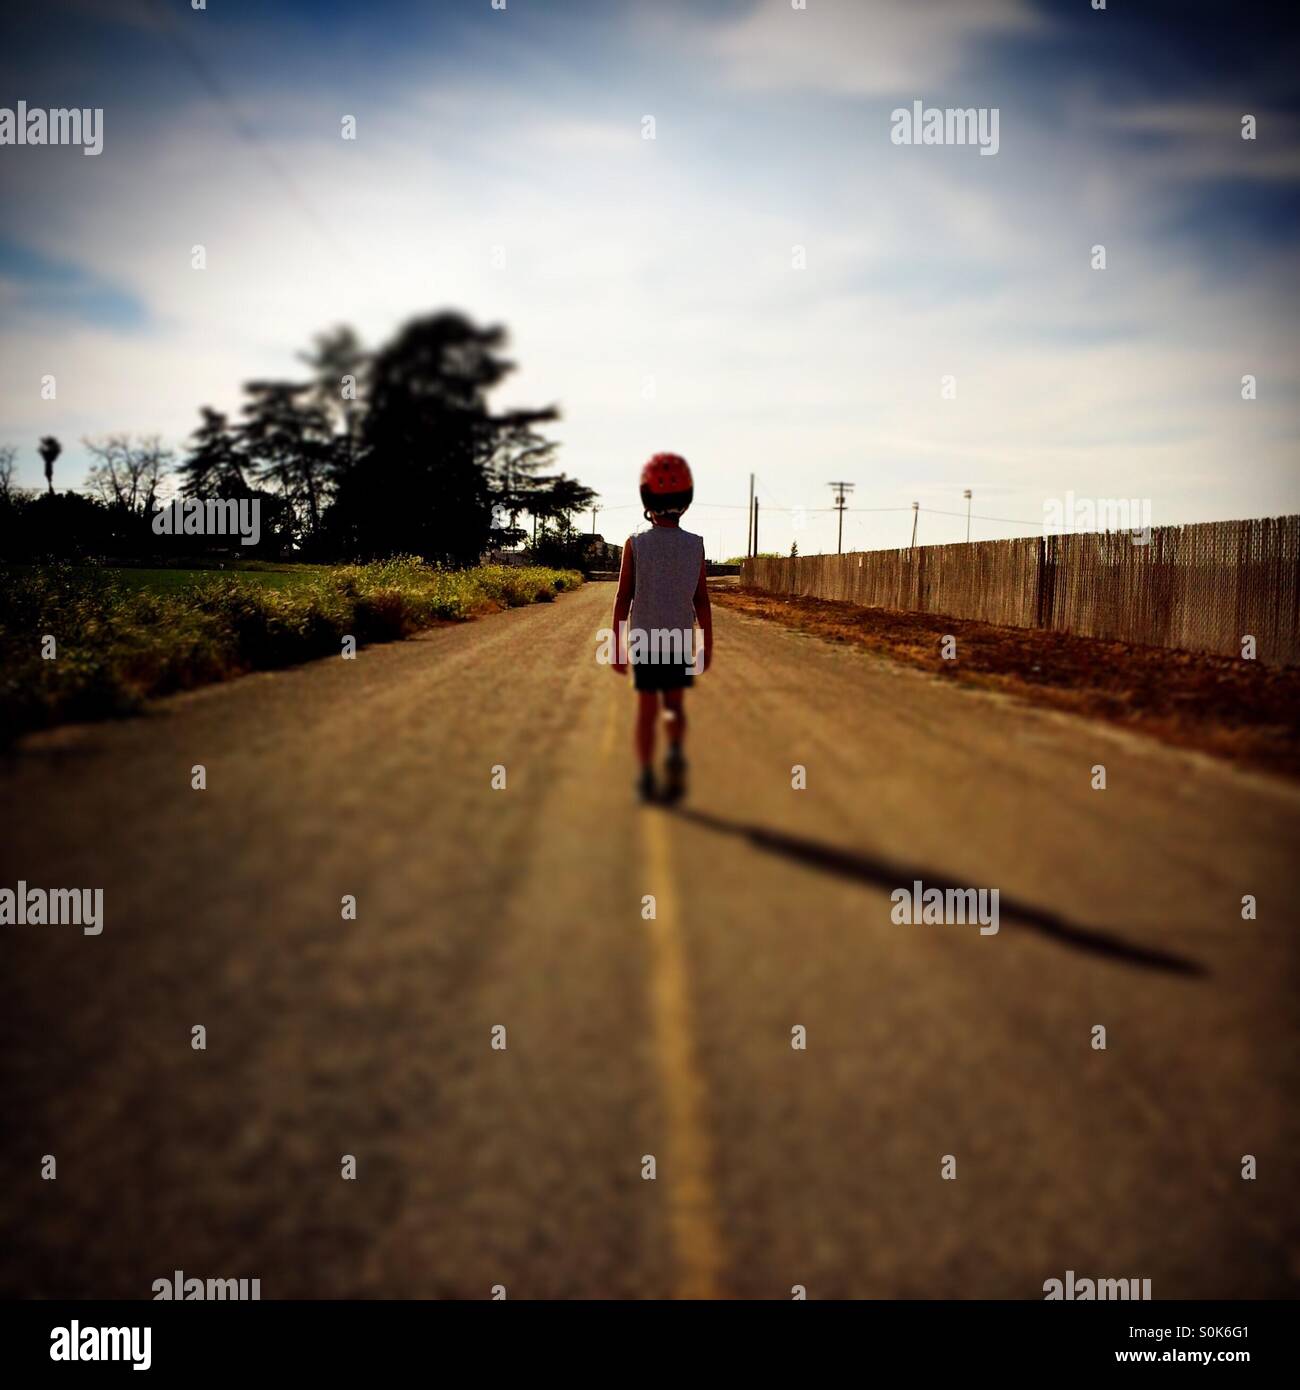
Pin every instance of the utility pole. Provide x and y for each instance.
(755, 550)
(749, 524)
(966, 495)
(916, 512)
(840, 504)
(594, 510)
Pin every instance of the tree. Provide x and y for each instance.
(339, 367)
(794, 550)
(287, 440)
(216, 465)
(520, 453)
(127, 474)
(425, 483)
(370, 456)
(50, 449)
(8, 456)
(554, 499)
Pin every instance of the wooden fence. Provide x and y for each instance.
(1202, 588)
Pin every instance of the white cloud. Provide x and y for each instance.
(1201, 141)
(863, 50)
(627, 259)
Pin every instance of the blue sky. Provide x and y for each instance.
(650, 286)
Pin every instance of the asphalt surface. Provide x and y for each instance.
(629, 1036)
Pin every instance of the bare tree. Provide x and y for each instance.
(127, 473)
(8, 455)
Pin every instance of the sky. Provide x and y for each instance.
(770, 285)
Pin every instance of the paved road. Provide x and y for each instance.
(629, 1037)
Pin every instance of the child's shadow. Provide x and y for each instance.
(863, 868)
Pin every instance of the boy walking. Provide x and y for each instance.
(663, 587)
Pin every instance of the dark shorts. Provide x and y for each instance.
(662, 676)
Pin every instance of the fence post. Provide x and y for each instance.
(1045, 598)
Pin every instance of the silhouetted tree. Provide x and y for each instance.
(519, 454)
(50, 449)
(370, 456)
(67, 524)
(340, 367)
(127, 473)
(425, 484)
(215, 465)
(8, 456)
(288, 442)
(554, 499)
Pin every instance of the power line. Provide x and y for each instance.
(773, 505)
(217, 91)
(855, 511)
(1010, 520)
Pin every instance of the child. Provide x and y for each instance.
(663, 583)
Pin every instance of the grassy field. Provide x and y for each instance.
(82, 642)
(173, 580)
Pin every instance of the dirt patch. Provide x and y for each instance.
(1232, 708)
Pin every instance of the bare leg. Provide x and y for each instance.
(647, 715)
(675, 708)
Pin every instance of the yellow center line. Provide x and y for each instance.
(697, 1242)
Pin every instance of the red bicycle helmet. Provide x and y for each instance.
(667, 487)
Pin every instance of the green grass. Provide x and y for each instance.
(169, 581)
(124, 636)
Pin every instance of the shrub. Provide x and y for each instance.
(119, 645)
